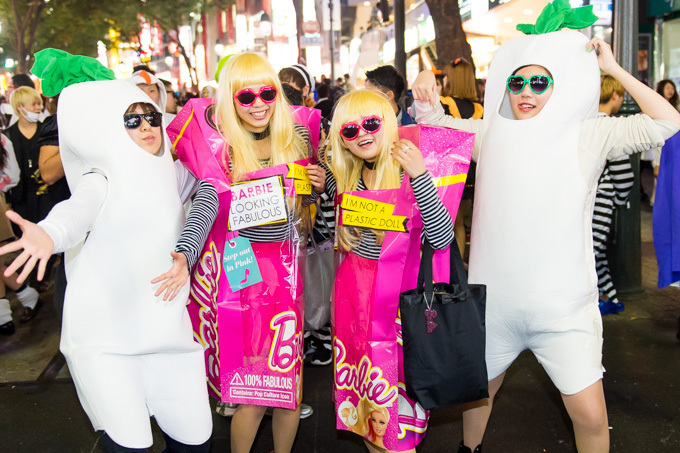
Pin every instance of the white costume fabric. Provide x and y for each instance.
(536, 181)
(130, 353)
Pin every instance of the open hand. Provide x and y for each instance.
(37, 248)
(175, 278)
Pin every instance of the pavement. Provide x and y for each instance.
(40, 412)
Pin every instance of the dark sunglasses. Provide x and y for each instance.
(370, 125)
(247, 97)
(134, 120)
(537, 83)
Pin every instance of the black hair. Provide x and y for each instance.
(143, 67)
(22, 80)
(674, 100)
(146, 107)
(323, 90)
(387, 77)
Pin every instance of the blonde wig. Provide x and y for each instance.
(345, 166)
(286, 145)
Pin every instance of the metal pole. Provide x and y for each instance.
(330, 40)
(625, 255)
(399, 30)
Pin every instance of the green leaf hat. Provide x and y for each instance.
(558, 15)
(59, 69)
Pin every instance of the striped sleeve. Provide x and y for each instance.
(201, 217)
(436, 219)
(622, 177)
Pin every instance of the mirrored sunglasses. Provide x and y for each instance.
(247, 97)
(537, 83)
(134, 120)
(370, 125)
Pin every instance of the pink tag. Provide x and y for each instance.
(430, 314)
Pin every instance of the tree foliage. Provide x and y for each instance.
(77, 25)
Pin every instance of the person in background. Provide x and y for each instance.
(152, 86)
(613, 189)
(348, 85)
(386, 80)
(18, 81)
(297, 83)
(459, 99)
(668, 90)
(171, 106)
(325, 102)
(28, 297)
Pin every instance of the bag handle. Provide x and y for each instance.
(457, 272)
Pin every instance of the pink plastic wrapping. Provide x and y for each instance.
(366, 326)
(260, 326)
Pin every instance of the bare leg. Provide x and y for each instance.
(476, 415)
(284, 426)
(373, 449)
(244, 425)
(588, 413)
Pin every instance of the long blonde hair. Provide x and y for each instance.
(286, 145)
(346, 167)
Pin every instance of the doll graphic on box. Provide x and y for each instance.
(531, 238)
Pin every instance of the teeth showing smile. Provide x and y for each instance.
(366, 142)
(526, 106)
(259, 115)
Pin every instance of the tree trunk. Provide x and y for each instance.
(302, 53)
(450, 37)
(28, 23)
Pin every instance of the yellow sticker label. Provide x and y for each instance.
(365, 205)
(303, 187)
(449, 180)
(297, 171)
(374, 221)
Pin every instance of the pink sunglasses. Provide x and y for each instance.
(370, 124)
(247, 97)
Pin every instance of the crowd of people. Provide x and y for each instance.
(539, 243)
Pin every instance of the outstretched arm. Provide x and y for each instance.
(65, 226)
(651, 103)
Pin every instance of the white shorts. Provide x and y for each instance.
(569, 347)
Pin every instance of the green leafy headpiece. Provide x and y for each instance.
(558, 15)
(59, 69)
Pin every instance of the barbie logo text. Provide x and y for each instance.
(204, 292)
(285, 350)
(366, 380)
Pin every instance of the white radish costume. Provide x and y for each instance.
(130, 353)
(536, 181)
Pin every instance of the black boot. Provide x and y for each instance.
(463, 449)
(7, 328)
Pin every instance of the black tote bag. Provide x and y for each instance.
(444, 363)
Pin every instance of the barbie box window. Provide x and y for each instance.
(258, 202)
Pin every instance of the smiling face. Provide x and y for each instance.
(379, 423)
(256, 116)
(145, 136)
(528, 104)
(367, 145)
